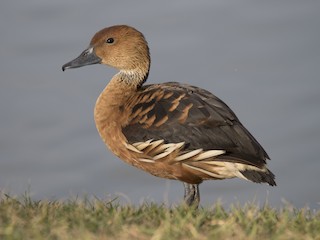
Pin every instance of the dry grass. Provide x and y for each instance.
(23, 218)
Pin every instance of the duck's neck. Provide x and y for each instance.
(117, 93)
(134, 77)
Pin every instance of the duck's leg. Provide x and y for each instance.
(191, 194)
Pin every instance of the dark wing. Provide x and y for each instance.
(176, 113)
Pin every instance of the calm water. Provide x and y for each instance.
(261, 58)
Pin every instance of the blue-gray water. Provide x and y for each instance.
(261, 57)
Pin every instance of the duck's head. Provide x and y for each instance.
(121, 47)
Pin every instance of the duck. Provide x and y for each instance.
(171, 130)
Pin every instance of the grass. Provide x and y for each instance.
(24, 218)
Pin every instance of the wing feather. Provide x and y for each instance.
(175, 113)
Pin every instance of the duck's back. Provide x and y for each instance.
(177, 113)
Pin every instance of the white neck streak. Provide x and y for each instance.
(134, 77)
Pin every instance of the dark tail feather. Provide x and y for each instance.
(260, 177)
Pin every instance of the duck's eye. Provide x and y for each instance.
(110, 40)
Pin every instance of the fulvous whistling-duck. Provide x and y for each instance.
(170, 130)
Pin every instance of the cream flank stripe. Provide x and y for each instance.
(160, 150)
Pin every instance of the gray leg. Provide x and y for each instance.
(191, 194)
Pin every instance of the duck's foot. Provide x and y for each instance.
(191, 194)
